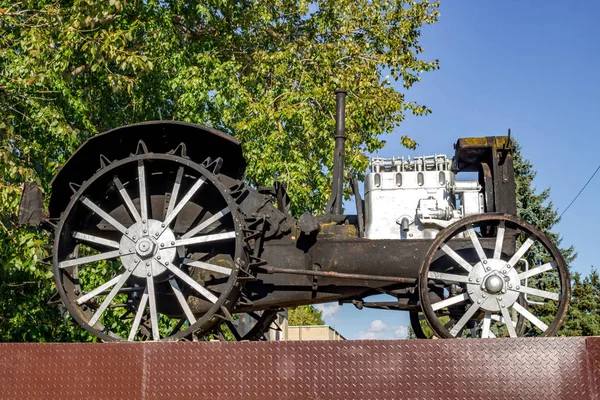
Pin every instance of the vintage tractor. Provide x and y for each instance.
(158, 237)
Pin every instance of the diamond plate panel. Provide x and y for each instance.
(524, 368)
(70, 371)
(593, 348)
(549, 368)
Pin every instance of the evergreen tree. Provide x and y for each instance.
(538, 210)
(584, 313)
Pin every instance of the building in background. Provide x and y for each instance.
(280, 330)
(313, 332)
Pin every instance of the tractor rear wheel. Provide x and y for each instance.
(150, 248)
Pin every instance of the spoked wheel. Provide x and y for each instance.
(494, 275)
(150, 247)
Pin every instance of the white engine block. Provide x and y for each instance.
(416, 198)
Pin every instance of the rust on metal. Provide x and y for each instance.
(522, 368)
(498, 180)
(335, 231)
(497, 142)
(330, 274)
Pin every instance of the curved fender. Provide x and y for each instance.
(160, 137)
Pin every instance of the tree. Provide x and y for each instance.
(305, 315)
(584, 312)
(538, 210)
(263, 71)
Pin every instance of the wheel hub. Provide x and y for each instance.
(145, 248)
(493, 284)
(489, 282)
(147, 257)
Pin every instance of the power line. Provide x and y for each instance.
(582, 189)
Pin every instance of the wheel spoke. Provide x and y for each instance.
(532, 318)
(485, 329)
(104, 215)
(138, 315)
(450, 301)
(98, 290)
(143, 197)
(95, 239)
(175, 191)
(507, 320)
(207, 266)
(450, 322)
(199, 239)
(88, 259)
(537, 292)
(153, 311)
(201, 226)
(476, 243)
(132, 210)
(499, 240)
(522, 250)
(464, 319)
(184, 200)
(193, 284)
(538, 270)
(184, 305)
(448, 277)
(454, 255)
(110, 296)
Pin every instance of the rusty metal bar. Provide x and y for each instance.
(330, 274)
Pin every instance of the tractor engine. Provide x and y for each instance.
(416, 198)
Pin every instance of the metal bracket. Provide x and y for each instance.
(525, 295)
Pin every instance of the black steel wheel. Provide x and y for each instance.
(493, 275)
(150, 248)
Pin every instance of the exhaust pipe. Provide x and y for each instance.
(337, 189)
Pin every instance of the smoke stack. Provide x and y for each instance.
(340, 151)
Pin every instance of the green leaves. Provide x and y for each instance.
(264, 71)
(305, 315)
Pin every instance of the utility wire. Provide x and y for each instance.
(582, 189)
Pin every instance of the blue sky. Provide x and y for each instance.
(531, 66)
